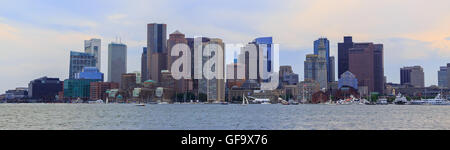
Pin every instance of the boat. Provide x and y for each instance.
(400, 100)
(163, 103)
(245, 101)
(382, 101)
(292, 102)
(438, 100)
(140, 105)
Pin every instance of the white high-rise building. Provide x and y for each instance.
(93, 46)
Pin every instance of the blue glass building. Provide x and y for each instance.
(78, 61)
(90, 73)
(330, 70)
(269, 42)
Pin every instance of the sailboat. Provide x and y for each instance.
(244, 100)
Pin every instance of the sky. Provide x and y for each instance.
(36, 36)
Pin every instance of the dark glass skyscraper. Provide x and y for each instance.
(144, 71)
(343, 55)
(157, 50)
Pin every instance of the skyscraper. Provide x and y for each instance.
(267, 51)
(442, 76)
(412, 76)
(213, 88)
(93, 46)
(332, 70)
(144, 71)
(322, 48)
(157, 50)
(316, 69)
(366, 63)
(182, 85)
(117, 61)
(78, 61)
(343, 48)
(175, 38)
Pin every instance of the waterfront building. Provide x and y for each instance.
(78, 61)
(93, 46)
(138, 77)
(117, 61)
(442, 76)
(78, 88)
(366, 63)
(306, 89)
(322, 48)
(44, 88)
(348, 79)
(98, 89)
(413, 76)
(144, 68)
(90, 73)
(316, 69)
(128, 82)
(157, 50)
(18, 93)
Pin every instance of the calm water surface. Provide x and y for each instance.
(221, 117)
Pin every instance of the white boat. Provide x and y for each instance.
(140, 105)
(438, 100)
(382, 101)
(400, 99)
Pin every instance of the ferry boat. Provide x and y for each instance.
(438, 100)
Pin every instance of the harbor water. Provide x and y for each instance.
(222, 117)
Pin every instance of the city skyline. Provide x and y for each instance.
(37, 44)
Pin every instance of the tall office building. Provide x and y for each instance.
(442, 76)
(365, 61)
(267, 52)
(144, 68)
(78, 61)
(157, 50)
(332, 70)
(412, 76)
(316, 69)
(175, 38)
(448, 75)
(93, 46)
(182, 85)
(322, 48)
(117, 61)
(343, 48)
(213, 88)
